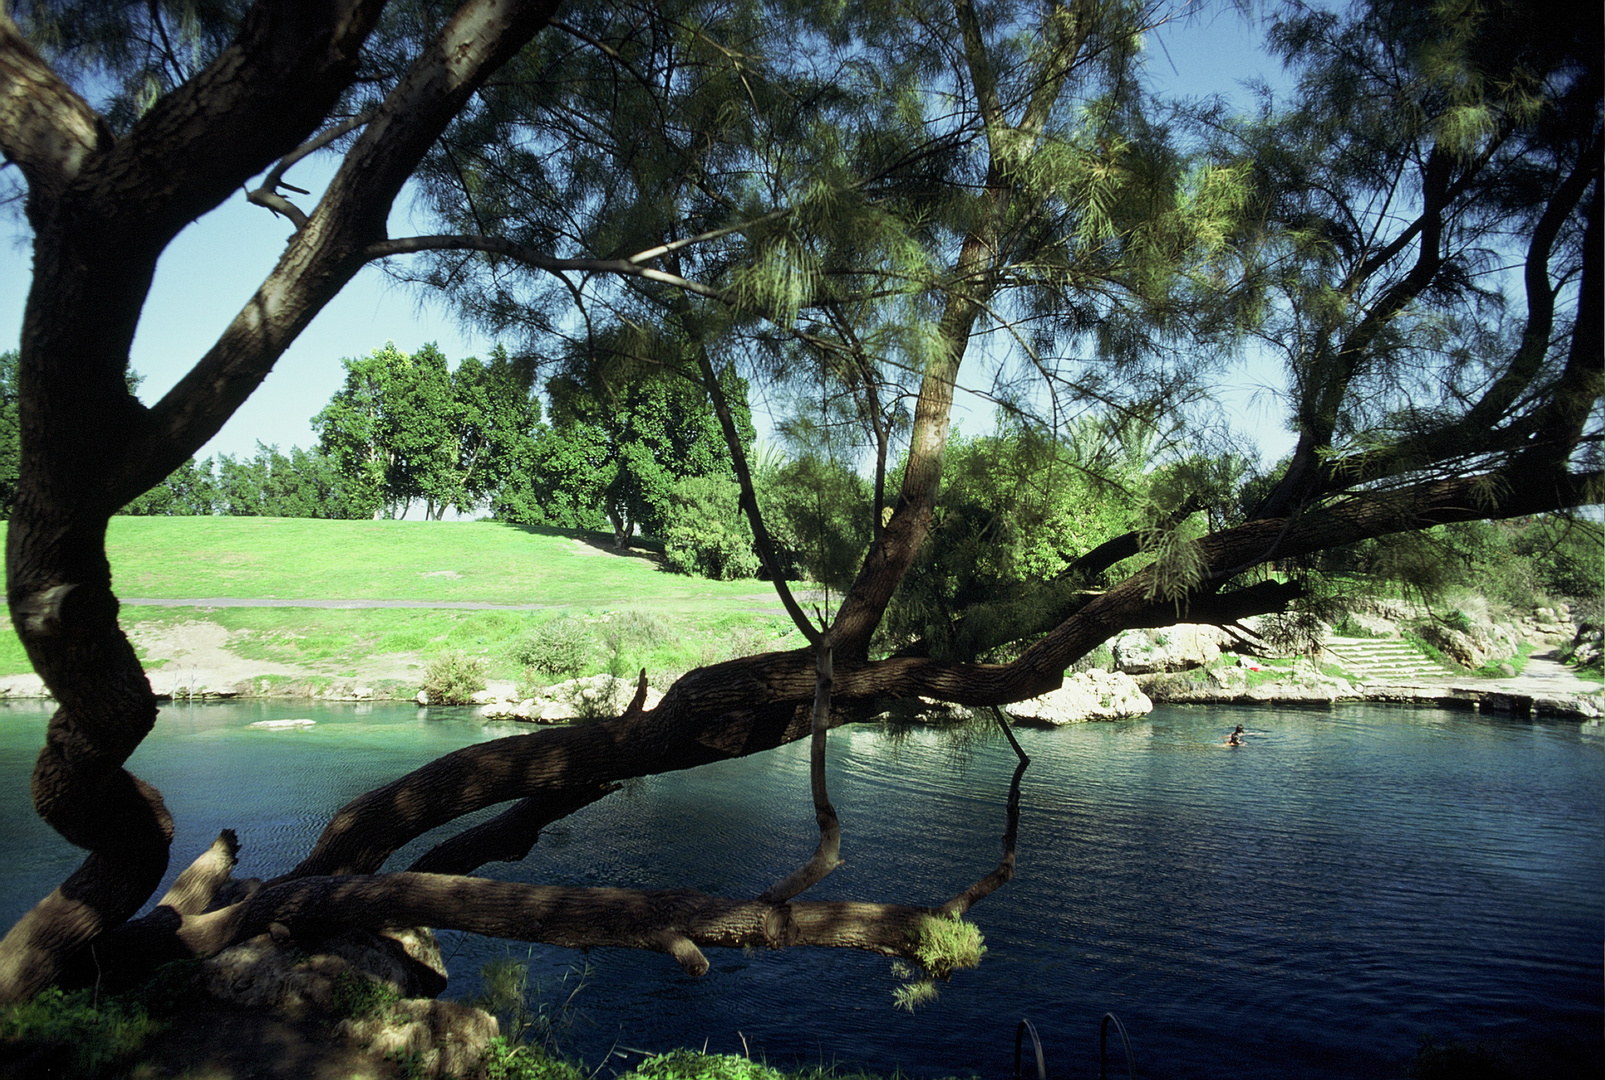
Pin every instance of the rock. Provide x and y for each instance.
(422, 698)
(1372, 625)
(599, 695)
(1457, 645)
(282, 725)
(434, 1038)
(1507, 670)
(1086, 695)
(1171, 648)
(23, 686)
(300, 979)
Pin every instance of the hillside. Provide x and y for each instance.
(372, 582)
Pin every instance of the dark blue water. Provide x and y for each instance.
(1308, 905)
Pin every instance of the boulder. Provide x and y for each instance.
(1086, 695)
(23, 686)
(1458, 645)
(575, 699)
(1370, 624)
(1170, 648)
(433, 1038)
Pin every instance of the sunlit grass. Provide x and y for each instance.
(636, 615)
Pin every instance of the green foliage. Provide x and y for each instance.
(508, 1059)
(625, 428)
(359, 996)
(691, 1065)
(708, 535)
(1522, 563)
(93, 1033)
(453, 678)
(404, 428)
(10, 431)
(818, 513)
(559, 648)
(1015, 512)
(943, 945)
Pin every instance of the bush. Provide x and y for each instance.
(453, 678)
(74, 1027)
(690, 1065)
(560, 648)
(708, 536)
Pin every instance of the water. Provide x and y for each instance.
(1310, 904)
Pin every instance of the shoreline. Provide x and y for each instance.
(1562, 696)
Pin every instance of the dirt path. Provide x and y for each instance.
(1544, 676)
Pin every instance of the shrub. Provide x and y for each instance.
(690, 1065)
(707, 535)
(453, 678)
(93, 1035)
(358, 996)
(560, 648)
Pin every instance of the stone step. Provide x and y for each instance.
(1383, 658)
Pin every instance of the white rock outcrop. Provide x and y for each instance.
(599, 695)
(1169, 648)
(1086, 695)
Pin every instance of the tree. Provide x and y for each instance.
(627, 426)
(10, 431)
(189, 491)
(879, 186)
(392, 428)
(497, 417)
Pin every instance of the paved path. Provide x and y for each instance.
(441, 605)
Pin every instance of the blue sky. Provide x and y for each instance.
(216, 263)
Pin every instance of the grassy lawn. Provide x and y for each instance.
(634, 613)
(300, 559)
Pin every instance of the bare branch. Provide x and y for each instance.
(496, 245)
(827, 856)
(267, 193)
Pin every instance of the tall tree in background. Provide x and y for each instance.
(880, 186)
(392, 429)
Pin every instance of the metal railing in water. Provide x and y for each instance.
(1026, 1027)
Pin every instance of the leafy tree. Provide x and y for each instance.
(845, 199)
(392, 428)
(820, 511)
(708, 535)
(10, 431)
(189, 491)
(497, 415)
(403, 428)
(626, 429)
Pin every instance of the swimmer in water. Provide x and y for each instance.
(1236, 737)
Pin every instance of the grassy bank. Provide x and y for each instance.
(625, 611)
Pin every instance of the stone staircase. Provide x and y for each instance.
(1382, 660)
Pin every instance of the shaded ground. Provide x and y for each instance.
(231, 1044)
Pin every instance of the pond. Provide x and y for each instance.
(1310, 904)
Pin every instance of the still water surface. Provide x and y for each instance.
(1310, 904)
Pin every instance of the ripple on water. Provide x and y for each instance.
(1308, 904)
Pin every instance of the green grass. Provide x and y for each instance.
(299, 559)
(637, 614)
(1518, 663)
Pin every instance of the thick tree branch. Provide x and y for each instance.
(45, 127)
(330, 248)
